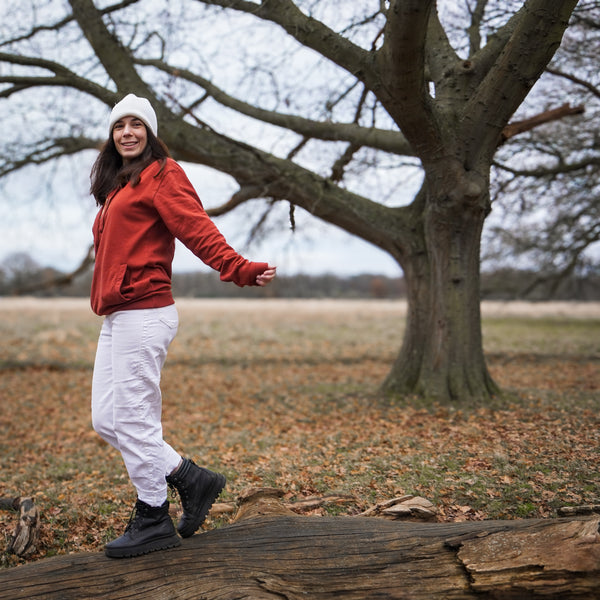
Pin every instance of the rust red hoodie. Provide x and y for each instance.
(134, 240)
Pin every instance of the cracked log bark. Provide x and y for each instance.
(274, 554)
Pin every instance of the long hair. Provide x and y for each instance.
(109, 173)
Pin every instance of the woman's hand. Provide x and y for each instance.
(266, 276)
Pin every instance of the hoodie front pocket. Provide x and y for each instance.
(119, 289)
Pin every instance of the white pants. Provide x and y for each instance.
(126, 397)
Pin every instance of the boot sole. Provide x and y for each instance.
(192, 526)
(151, 546)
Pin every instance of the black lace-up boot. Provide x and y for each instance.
(150, 528)
(198, 489)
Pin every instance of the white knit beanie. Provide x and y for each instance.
(133, 106)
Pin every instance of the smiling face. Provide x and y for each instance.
(130, 138)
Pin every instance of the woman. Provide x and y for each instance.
(146, 201)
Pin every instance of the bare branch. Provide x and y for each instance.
(258, 226)
(59, 280)
(48, 151)
(474, 28)
(439, 52)
(58, 25)
(586, 84)
(62, 77)
(115, 58)
(240, 197)
(517, 127)
(555, 278)
(402, 57)
(310, 33)
(381, 139)
(543, 171)
(509, 80)
(337, 170)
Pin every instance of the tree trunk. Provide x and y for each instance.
(327, 558)
(442, 353)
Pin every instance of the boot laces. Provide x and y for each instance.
(173, 490)
(133, 522)
(132, 519)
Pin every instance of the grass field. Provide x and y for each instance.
(284, 394)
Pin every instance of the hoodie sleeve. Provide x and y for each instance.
(182, 212)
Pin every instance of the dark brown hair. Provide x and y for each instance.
(109, 173)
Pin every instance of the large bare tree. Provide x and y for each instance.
(399, 78)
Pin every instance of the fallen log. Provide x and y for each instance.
(324, 558)
(26, 533)
(256, 496)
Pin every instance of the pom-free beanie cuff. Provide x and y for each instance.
(134, 106)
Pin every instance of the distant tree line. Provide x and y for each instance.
(21, 275)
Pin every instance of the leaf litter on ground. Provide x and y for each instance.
(283, 394)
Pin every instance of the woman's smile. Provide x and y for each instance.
(130, 137)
